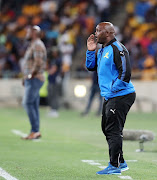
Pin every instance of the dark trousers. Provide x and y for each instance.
(113, 119)
(53, 96)
(94, 91)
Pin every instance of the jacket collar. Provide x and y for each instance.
(110, 42)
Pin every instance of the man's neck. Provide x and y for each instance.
(34, 39)
(109, 39)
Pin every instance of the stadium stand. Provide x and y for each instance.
(71, 20)
(139, 36)
(75, 20)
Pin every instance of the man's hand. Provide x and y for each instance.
(91, 44)
(33, 74)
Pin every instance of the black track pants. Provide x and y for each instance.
(113, 119)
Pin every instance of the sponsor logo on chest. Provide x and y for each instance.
(106, 55)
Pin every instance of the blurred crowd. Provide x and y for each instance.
(139, 34)
(66, 24)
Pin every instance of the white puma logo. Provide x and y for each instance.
(113, 110)
(121, 53)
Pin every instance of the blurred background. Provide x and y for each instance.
(65, 26)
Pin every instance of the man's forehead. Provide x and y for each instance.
(100, 26)
(106, 26)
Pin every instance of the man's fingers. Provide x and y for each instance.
(91, 37)
(91, 44)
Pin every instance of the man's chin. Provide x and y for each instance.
(100, 42)
(28, 38)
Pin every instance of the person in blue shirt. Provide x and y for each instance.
(54, 82)
(94, 90)
(114, 72)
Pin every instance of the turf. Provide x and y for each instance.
(65, 142)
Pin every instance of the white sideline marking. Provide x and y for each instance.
(19, 133)
(102, 167)
(131, 160)
(5, 175)
(36, 140)
(95, 162)
(91, 162)
(87, 161)
(124, 177)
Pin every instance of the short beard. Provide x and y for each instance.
(28, 39)
(102, 41)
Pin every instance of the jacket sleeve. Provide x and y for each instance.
(122, 62)
(91, 60)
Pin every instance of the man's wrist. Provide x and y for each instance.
(91, 50)
(29, 76)
(34, 72)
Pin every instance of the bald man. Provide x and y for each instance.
(34, 64)
(114, 72)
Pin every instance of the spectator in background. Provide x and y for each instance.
(78, 18)
(2, 58)
(140, 36)
(151, 15)
(54, 81)
(152, 48)
(145, 41)
(66, 49)
(141, 9)
(11, 67)
(149, 70)
(35, 58)
(94, 90)
(103, 9)
(51, 16)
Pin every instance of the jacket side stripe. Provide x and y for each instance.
(123, 68)
(123, 61)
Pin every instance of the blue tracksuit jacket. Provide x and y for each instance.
(113, 67)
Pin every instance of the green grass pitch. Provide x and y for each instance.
(65, 142)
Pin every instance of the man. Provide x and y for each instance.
(94, 90)
(114, 73)
(66, 49)
(34, 65)
(54, 82)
